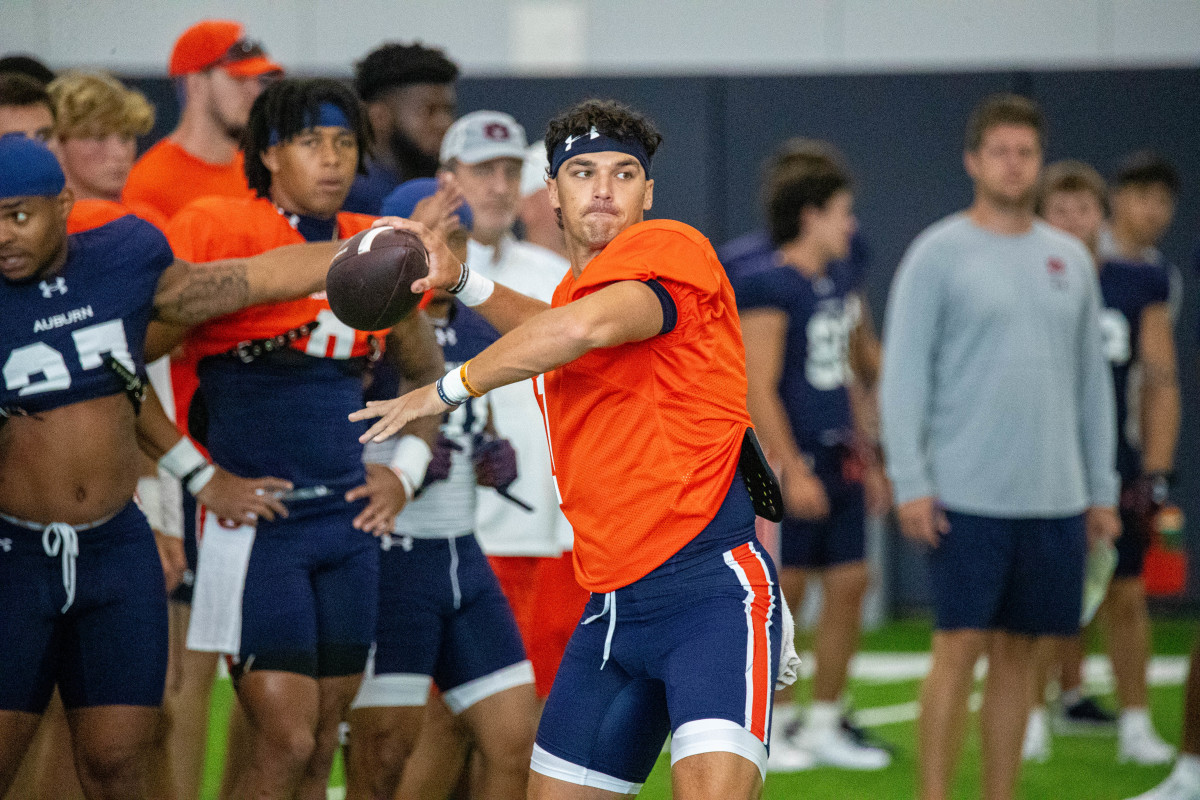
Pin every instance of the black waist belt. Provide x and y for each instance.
(252, 349)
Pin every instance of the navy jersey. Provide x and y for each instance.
(285, 414)
(821, 313)
(55, 333)
(447, 508)
(754, 253)
(1128, 289)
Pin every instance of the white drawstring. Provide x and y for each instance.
(454, 587)
(610, 608)
(61, 538)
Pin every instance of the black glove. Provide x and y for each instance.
(495, 461)
(439, 465)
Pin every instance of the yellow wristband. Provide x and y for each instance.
(462, 373)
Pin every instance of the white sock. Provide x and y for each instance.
(1070, 697)
(1134, 722)
(1037, 717)
(1187, 768)
(824, 716)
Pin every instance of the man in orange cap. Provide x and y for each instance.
(219, 72)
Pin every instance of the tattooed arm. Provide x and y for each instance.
(191, 293)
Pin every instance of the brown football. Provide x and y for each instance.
(369, 279)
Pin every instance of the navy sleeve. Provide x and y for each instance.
(670, 311)
(758, 290)
(148, 242)
(1158, 284)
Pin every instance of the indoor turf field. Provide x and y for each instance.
(885, 691)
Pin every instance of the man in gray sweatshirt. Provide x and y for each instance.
(998, 426)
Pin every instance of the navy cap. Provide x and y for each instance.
(28, 168)
(404, 198)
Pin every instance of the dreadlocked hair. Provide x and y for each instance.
(289, 107)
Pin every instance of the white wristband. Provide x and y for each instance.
(149, 497)
(451, 388)
(199, 479)
(185, 462)
(476, 290)
(410, 461)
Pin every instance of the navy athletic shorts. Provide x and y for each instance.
(109, 645)
(442, 619)
(1133, 542)
(1023, 576)
(840, 538)
(312, 593)
(691, 648)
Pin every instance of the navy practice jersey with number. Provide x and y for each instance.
(1128, 289)
(821, 313)
(56, 332)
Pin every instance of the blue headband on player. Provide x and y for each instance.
(596, 142)
(328, 115)
(404, 198)
(28, 168)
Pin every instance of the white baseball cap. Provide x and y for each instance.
(482, 136)
(533, 174)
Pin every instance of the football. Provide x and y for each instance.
(369, 278)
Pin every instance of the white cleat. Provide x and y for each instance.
(785, 756)
(1036, 747)
(1145, 748)
(834, 748)
(1174, 787)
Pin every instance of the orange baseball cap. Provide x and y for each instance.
(219, 43)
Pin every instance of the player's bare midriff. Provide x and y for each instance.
(74, 464)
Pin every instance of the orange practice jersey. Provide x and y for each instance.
(88, 214)
(167, 178)
(645, 437)
(214, 228)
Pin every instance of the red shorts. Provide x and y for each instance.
(547, 602)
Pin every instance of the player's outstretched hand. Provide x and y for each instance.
(243, 500)
(174, 562)
(1103, 525)
(385, 499)
(444, 268)
(803, 494)
(923, 521)
(396, 413)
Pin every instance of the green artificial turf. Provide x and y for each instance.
(1082, 768)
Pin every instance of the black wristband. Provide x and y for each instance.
(463, 276)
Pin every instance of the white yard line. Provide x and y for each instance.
(898, 667)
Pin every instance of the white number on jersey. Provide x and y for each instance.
(330, 329)
(91, 343)
(828, 364)
(1114, 331)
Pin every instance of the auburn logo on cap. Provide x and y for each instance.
(496, 131)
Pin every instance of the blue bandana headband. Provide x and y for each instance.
(328, 116)
(28, 168)
(596, 142)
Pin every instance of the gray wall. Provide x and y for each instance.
(529, 37)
